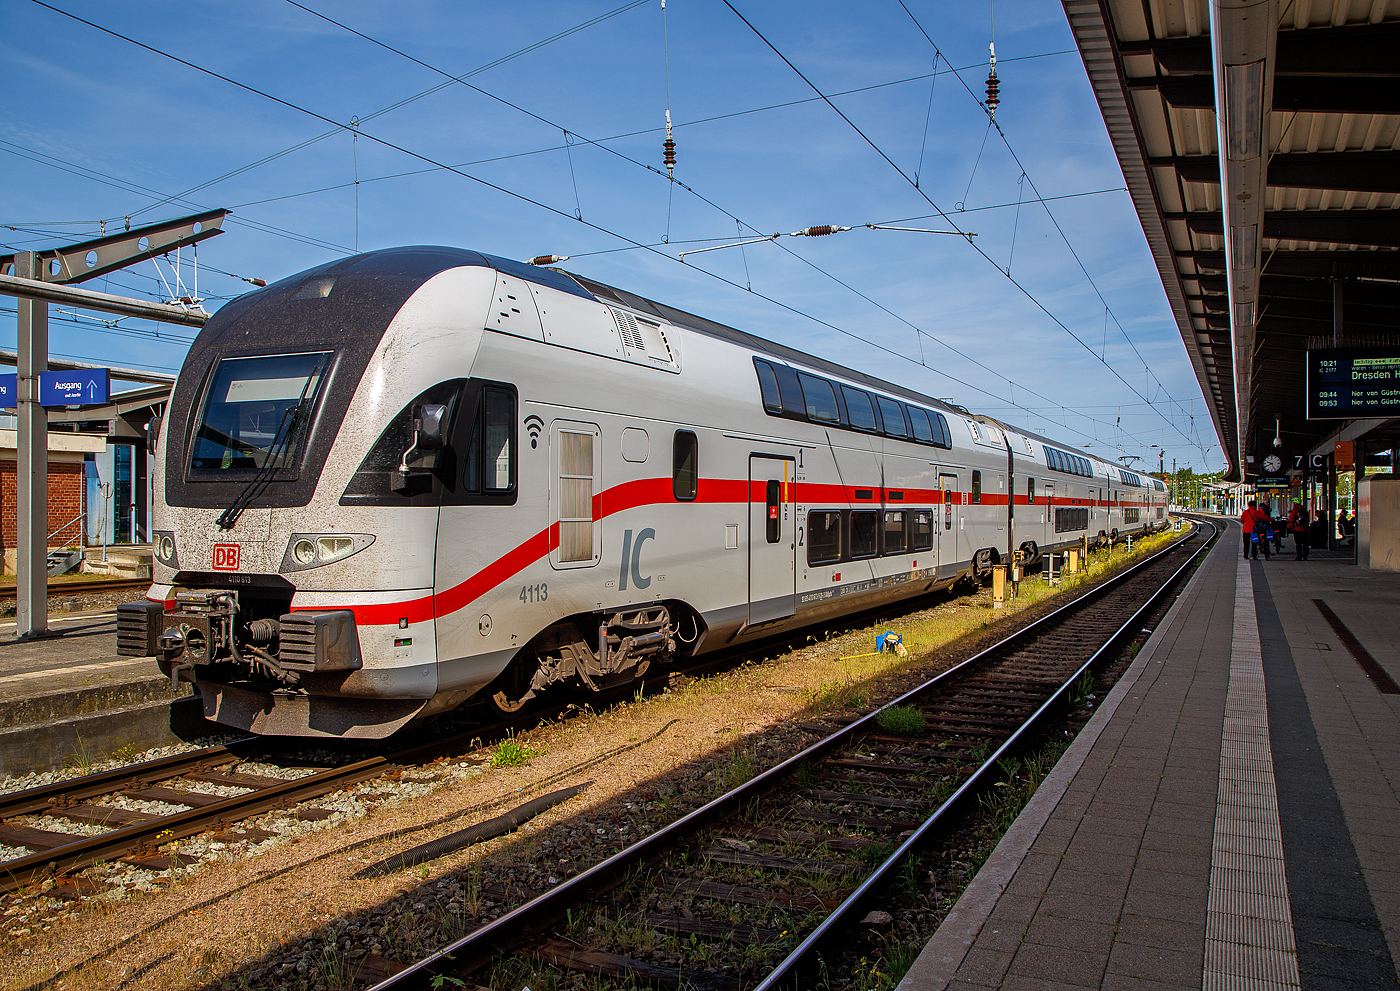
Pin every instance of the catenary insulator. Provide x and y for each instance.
(993, 92)
(819, 230)
(547, 259)
(260, 283)
(670, 154)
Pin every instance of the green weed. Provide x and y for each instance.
(510, 752)
(901, 720)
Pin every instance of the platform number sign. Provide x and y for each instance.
(226, 557)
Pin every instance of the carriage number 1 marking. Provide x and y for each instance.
(534, 593)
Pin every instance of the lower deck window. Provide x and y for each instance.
(1130, 516)
(976, 487)
(894, 536)
(823, 537)
(864, 532)
(1067, 520)
(923, 530)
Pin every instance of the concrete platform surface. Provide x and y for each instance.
(70, 699)
(1229, 818)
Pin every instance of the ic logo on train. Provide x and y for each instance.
(225, 557)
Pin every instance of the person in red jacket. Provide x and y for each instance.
(1252, 520)
(1299, 522)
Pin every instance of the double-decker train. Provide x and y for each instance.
(408, 477)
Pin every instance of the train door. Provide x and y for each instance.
(950, 522)
(772, 538)
(1048, 516)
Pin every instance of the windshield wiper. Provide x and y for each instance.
(285, 431)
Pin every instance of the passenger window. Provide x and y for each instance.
(923, 431)
(893, 417)
(768, 385)
(942, 425)
(894, 532)
(976, 487)
(823, 537)
(923, 530)
(1030, 491)
(864, 532)
(685, 471)
(373, 483)
(858, 408)
(821, 400)
(775, 523)
(490, 461)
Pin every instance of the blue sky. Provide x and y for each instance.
(568, 113)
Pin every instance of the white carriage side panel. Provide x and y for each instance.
(433, 338)
(513, 309)
(911, 485)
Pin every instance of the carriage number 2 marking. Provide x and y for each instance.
(534, 593)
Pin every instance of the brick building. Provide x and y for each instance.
(67, 489)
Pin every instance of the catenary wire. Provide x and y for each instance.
(919, 332)
(1053, 219)
(526, 199)
(878, 150)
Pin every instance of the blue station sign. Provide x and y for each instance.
(9, 384)
(83, 387)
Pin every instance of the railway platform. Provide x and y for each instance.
(1229, 818)
(70, 698)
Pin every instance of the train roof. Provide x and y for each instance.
(711, 328)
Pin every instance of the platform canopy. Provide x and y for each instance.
(1304, 251)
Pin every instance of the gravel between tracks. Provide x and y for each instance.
(283, 912)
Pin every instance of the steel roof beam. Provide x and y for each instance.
(1352, 50)
(1361, 171)
(1306, 94)
(1374, 228)
(1243, 36)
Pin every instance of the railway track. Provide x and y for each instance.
(89, 587)
(760, 888)
(891, 771)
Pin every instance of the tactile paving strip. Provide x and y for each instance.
(1249, 925)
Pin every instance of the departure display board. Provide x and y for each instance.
(1349, 383)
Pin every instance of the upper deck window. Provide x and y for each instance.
(893, 417)
(256, 413)
(922, 430)
(821, 400)
(768, 385)
(858, 408)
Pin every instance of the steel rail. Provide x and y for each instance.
(111, 845)
(85, 852)
(801, 963)
(33, 800)
(99, 585)
(477, 949)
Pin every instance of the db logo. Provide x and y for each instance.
(225, 557)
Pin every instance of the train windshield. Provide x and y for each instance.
(256, 413)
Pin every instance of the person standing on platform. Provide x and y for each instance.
(1299, 522)
(1253, 531)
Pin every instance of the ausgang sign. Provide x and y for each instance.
(83, 387)
(1349, 383)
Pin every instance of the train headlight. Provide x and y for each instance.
(330, 549)
(311, 550)
(163, 548)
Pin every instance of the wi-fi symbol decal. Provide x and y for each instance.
(533, 426)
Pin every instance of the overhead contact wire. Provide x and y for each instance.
(949, 220)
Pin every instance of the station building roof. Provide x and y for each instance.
(1313, 215)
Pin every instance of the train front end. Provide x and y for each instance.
(300, 467)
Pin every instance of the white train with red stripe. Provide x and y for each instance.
(396, 481)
